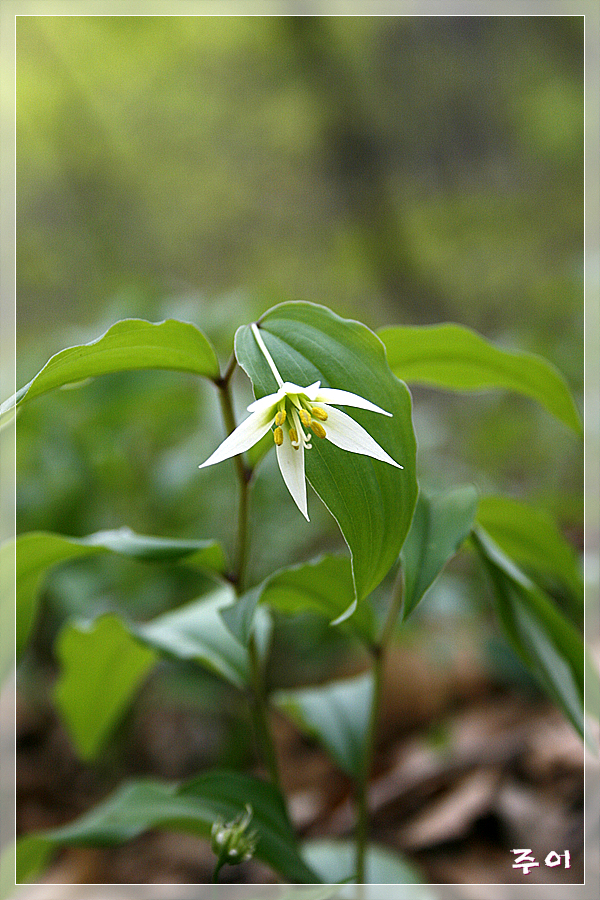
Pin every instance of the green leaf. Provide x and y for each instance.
(190, 807)
(371, 501)
(30, 855)
(323, 586)
(542, 637)
(38, 551)
(335, 861)
(203, 554)
(103, 662)
(127, 345)
(239, 617)
(451, 356)
(337, 715)
(440, 525)
(102, 666)
(196, 631)
(530, 536)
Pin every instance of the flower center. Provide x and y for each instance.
(297, 414)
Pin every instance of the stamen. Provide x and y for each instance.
(280, 417)
(278, 436)
(294, 438)
(266, 354)
(304, 417)
(318, 413)
(318, 429)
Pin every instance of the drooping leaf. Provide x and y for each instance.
(102, 666)
(104, 661)
(530, 537)
(38, 551)
(324, 587)
(197, 632)
(337, 715)
(440, 526)
(371, 500)
(538, 632)
(335, 862)
(239, 617)
(127, 345)
(190, 807)
(456, 358)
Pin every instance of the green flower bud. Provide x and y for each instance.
(231, 842)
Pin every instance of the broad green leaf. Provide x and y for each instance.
(542, 637)
(371, 501)
(127, 345)
(324, 587)
(530, 537)
(196, 631)
(102, 666)
(39, 551)
(453, 357)
(190, 807)
(335, 862)
(337, 715)
(440, 525)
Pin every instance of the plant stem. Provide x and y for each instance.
(261, 716)
(244, 474)
(379, 652)
(395, 608)
(362, 823)
(260, 707)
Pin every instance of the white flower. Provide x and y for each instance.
(292, 409)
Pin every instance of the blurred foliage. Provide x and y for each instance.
(398, 169)
(212, 152)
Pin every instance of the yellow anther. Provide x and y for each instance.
(318, 429)
(294, 437)
(280, 417)
(318, 413)
(304, 417)
(278, 436)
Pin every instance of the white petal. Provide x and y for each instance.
(345, 398)
(291, 465)
(344, 432)
(246, 435)
(266, 402)
(312, 391)
(291, 388)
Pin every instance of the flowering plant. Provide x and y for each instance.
(304, 362)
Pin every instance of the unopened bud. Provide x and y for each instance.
(231, 842)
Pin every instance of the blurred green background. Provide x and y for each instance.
(397, 169)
